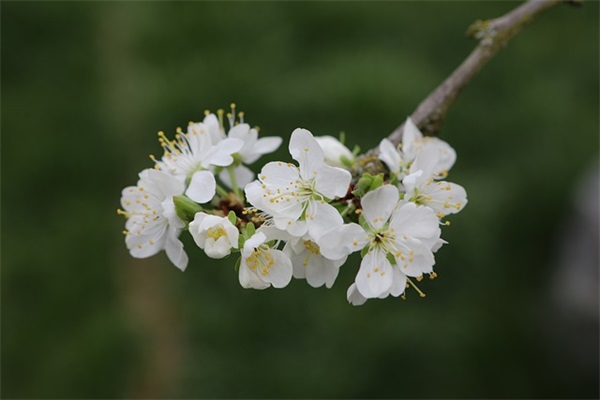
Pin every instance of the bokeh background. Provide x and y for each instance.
(85, 88)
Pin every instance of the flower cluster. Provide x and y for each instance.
(299, 219)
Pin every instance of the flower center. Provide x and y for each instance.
(260, 260)
(216, 233)
(312, 248)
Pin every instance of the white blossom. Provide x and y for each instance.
(215, 235)
(400, 159)
(310, 264)
(422, 188)
(262, 266)
(252, 149)
(192, 155)
(398, 240)
(152, 224)
(297, 196)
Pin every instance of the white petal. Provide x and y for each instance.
(410, 134)
(297, 258)
(248, 278)
(354, 297)
(262, 146)
(414, 221)
(321, 218)
(252, 243)
(164, 184)
(377, 206)
(426, 161)
(279, 174)
(212, 124)
(334, 150)
(412, 182)
(240, 131)
(221, 153)
(389, 154)
(294, 227)
(399, 282)
(447, 155)
(147, 244)
(321, 271)
(446, 197)
(254, 194)
(219, 248)
(342, 241)
(280, 273)
(273, 233)
(375, 274)
(305, 149)
(332, 182)
(195, 230)
(420, 262)
(202, 187)
(170, 214)
(175, 251)
(243, 176)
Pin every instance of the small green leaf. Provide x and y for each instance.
(232, 217)
(250, 229)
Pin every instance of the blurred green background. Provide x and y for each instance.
(85, 88)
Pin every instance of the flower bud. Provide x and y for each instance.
(336, 154)
(186, 208)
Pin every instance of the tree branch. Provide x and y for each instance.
(493, 35)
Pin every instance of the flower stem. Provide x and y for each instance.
(236, 189)
(346, 210)
(222, 192)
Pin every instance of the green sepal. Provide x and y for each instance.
(186, 208)
(346, 161)
(343, 137)
(250, 229)
(232, 217)
(237, 160)
(391, 258)
(236, 266)
(362, 221)
(367, 183)
(356, 150)
(364, 251)
(377, 182)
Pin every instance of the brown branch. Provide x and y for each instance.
(493, 35)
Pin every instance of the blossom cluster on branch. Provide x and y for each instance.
(299, 219)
